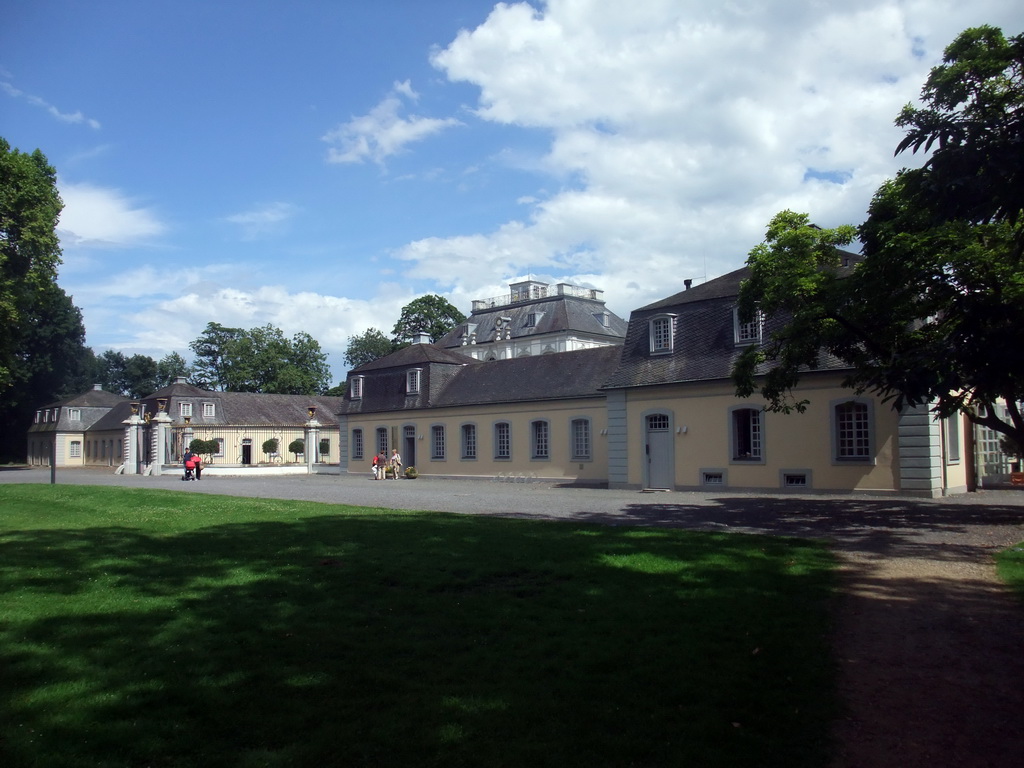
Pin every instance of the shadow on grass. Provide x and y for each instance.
(412, 639)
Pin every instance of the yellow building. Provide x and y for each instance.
(658, 411)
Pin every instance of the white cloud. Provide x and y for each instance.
(156, 312)
(262, 220)
(679, 127)
(382, 132)
(64, 117)
(99, 216)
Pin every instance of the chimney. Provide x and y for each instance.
(421, 337)
(181, 380)
(97, 387)
(687, 284)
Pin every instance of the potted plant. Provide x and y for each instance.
(270, 448)
(411, 473)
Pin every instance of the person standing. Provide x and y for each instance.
(396, 462)
(197, 460)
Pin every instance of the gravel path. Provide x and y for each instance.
(928, 641)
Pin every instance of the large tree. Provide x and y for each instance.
(934, 313)
(29, 249)
(367, 347)
(43, 356)
(169, 368)
(260, 360)
(431, 314)
(209, 365)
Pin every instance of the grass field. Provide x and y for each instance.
(1010, 567)
(150, 628)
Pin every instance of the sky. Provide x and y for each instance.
(318, 165)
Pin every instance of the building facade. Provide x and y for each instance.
(656, 410)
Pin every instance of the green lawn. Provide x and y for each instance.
(1010, 566)
(151, 628)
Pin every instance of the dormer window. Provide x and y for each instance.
(185, 409)
(747, 333)
(75, 414)
(355, 388)
(662, 330)
(412, 381)
(209, 410)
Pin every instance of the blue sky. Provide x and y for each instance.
(318, 165)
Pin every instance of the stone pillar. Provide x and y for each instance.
(162, 424)
(311, 439)
(133, 441)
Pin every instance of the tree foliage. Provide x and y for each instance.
(29, 249)
(431, 314)
(43, 357)
(973, 118)
(206, 448)
(367, 347)
(934, 313)
(169, 368)
(260, 360)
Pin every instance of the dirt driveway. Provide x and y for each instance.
(930, 644)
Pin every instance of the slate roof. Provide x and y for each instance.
(415, 355)
(230, 408)
(704, 347)
(544, 377)
(94, 398)
(474, 382)
(555, 315)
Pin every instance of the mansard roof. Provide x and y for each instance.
(558, 314)
(544, 377)
(704, 344)
(414, 355)
(94, 398)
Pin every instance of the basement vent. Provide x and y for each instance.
(713, 478)
(794, 480)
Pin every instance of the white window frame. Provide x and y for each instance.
(469, 441)
(747, 333)
(540, 439)
(185, 409)
(661, 334)
(355, 388)
(75, 449)
(746, 435)
(853, 435)
(220, 446)
(438, 442)
(580, 435)
(412, 381)
(75, 414)
(502, 440)
(209, 410)
(952, 433)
